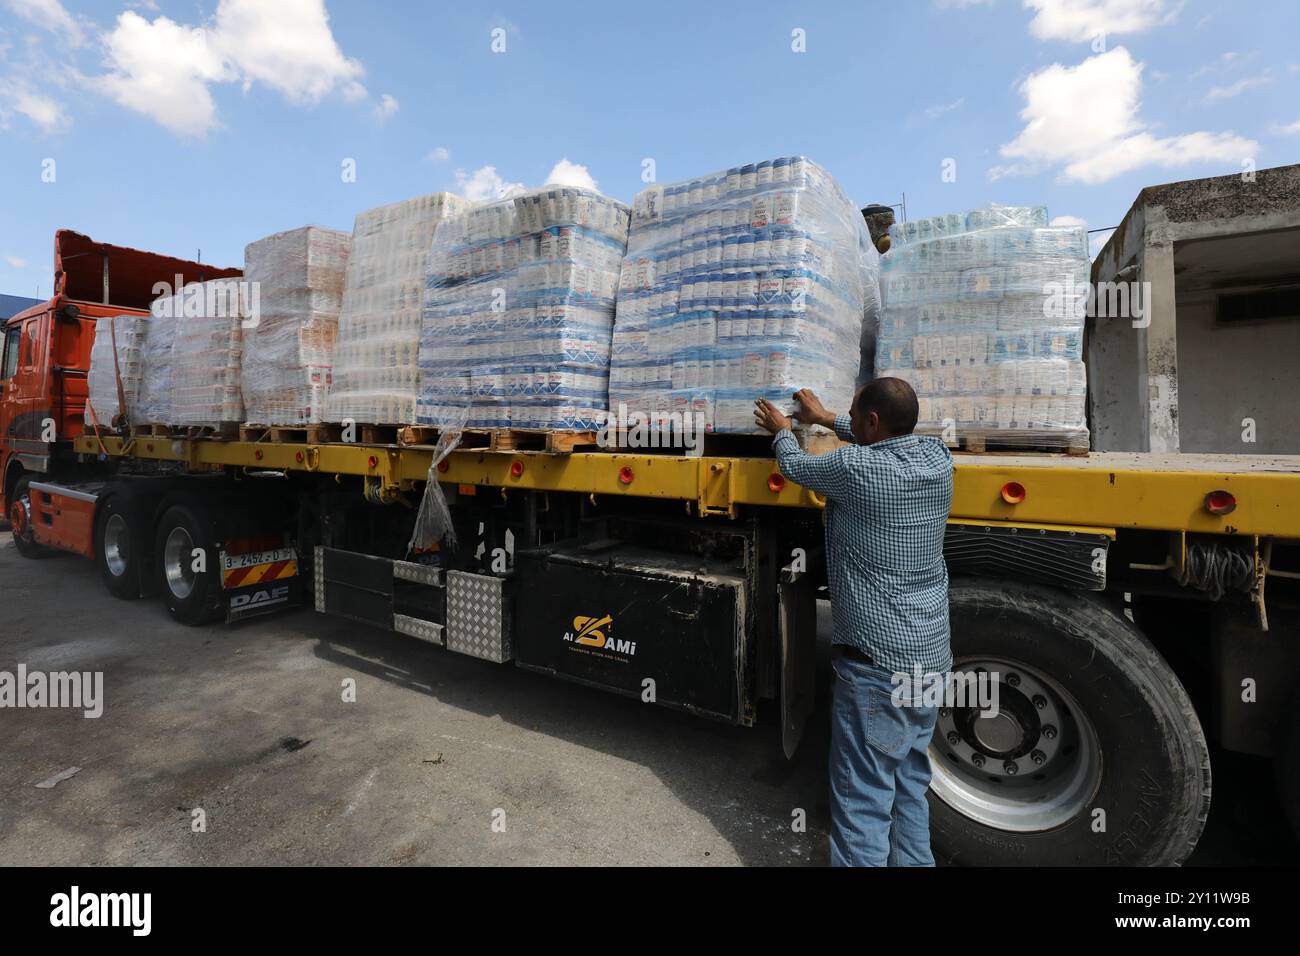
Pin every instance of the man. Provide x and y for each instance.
(887, 501)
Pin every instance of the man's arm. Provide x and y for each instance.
(827, 474)
(813, 412)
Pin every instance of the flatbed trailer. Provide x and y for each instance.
(1101, 594)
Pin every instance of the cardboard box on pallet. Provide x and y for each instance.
(289, 343)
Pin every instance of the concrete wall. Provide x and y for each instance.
(1227, 373)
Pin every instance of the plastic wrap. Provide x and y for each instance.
(519, 310)
(376, 355)
(752, 281)
(206, 322)
(288, 351)
(154, 399)
(983, 315)
(102, 379)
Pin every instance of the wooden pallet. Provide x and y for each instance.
(554, 441)
(290, 434)
(152, 431)
(714, 445)
(1073, 443)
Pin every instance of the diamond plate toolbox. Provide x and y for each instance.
(478, 617)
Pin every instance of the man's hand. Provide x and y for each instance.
(768, 417)
(811, 410)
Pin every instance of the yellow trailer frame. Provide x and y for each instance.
(1099, 492)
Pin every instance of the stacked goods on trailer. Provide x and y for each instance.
(192, 352)
(128, 332)
(296, 281)
(984, 315)
(206, 357)
(376, 356)
(752, 281)
(154, 399)
(519, 310)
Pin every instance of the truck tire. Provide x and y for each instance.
(1286, 763)
(1096, 757)
(190, 584)
(121, 543)
(20, 521)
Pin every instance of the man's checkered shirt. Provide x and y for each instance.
(886, 508)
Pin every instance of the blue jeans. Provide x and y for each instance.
(879, 771)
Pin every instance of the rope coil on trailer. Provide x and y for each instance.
(1215, 568)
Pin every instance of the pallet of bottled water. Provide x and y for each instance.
(116, 356)
(375, 377)
(752, 281)
(983, 315)
(518, 312)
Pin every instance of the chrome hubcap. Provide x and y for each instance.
(117, 546)
(178, 562)
(1033, 766)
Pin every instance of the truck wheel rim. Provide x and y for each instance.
(19, 512)
(178, 563)
(117, 546)
(1035, 766)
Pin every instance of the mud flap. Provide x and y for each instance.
(797, 612)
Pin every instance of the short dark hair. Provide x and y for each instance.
(893, 400)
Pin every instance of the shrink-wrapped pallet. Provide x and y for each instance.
(288, 351)
(192, 356)
(752, 281)
(102, 379)
(519, 309)
(984, 315)
(376, 356)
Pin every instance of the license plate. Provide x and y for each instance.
(233, 562)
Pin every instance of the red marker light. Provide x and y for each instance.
(516, 469)
(775, 482)
(257, 453)
(298, 457)
(625, 475)
(444, 466)
(1220, 503)
(373, 462)
(1013, 492)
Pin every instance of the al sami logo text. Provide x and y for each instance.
(590, 631)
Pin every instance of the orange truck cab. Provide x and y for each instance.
(45, 354)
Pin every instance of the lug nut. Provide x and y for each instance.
(1038, 757)
(977, 760)
(1013, 680)
(1011, 767)
(954, 738)
(1049, 732)
(945, 712)
(1040, 701)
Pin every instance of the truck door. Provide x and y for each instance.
(26, 399)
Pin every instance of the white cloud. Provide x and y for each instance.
(1224, 61)
(387, 107)
(1236, 89)
(1288, 129)
(1084, 118)
(16, 96)
(485, 184)
(1084, 20)
(1068, 221)
(287, 45)
(1097, 241)
(934, 112)
(16, 262)
(164, 69)
(565, 173)
(439, 154)
(50, 15)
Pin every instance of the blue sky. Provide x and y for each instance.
(180, 125)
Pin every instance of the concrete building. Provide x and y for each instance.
(1214, 357)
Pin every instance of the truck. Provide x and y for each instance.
(1117, 599)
